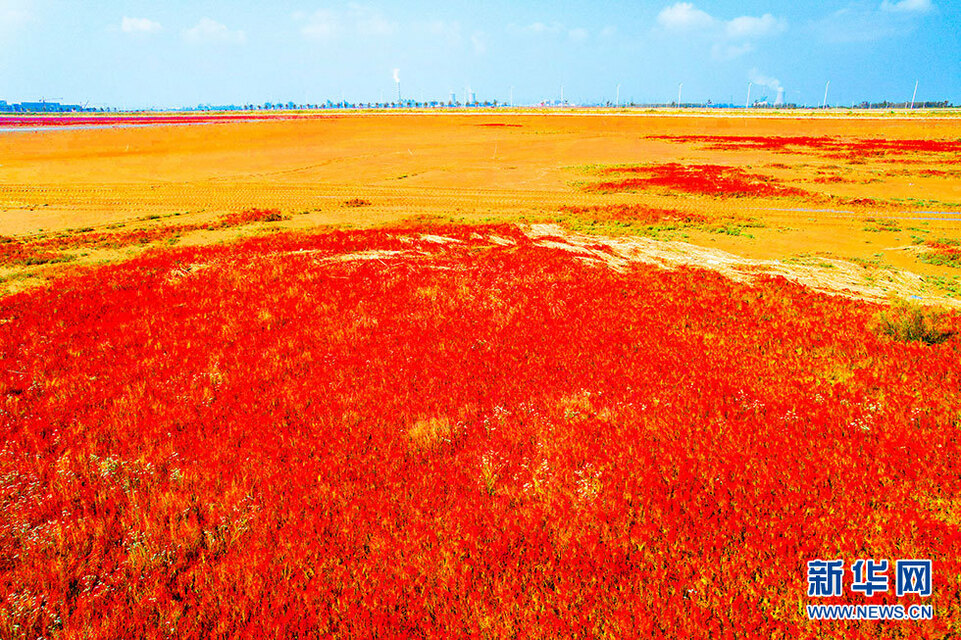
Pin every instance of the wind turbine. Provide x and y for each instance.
(679, 85)
(824, 104)
(747, 105)
(915, 95)
(397, 80)
(617, 100)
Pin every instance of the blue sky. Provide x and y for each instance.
(143, 53)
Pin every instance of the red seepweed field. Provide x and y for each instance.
(484, 429)
(427, 432)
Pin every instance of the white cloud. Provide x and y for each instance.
(478, 42)
(731, 38)
(370, 22)
(357, 20)
(542, 28)
(684, 16)
(449, 31)
(724, 51)
(139, 25)
(854, 24)
(576, 34)
(608, 32)
(746, 27)
(907, 6)
(212, 32)
(13, 15)
(321, 25)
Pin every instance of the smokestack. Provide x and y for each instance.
(771, 83)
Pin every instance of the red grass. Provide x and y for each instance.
(942, 253)
(268, 439)
(13, 252)
(251, 215)
(28, 251)
(111, 240)
(862, 202)
(706, 179)
(769, 143)
(837, 147)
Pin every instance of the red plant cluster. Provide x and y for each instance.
(13, 252)
(379, 434)
(880, 145)
(639, 213)
(251, 215)
(862, 202)
(706, 179)
(943, 247)
(768, 143)
(112, 240)
(837, 147)
(28, 251)
(942, 253)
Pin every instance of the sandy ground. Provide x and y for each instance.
(518, 167)
(831, 276)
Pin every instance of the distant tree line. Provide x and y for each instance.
(943, 104)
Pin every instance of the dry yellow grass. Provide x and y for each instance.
(427, 433)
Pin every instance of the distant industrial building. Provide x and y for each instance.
(40, 107)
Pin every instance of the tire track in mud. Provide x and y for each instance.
(126, 202)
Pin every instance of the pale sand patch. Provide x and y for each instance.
(373, 254)
(179, 273)
(840, 278)
(426, 237)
